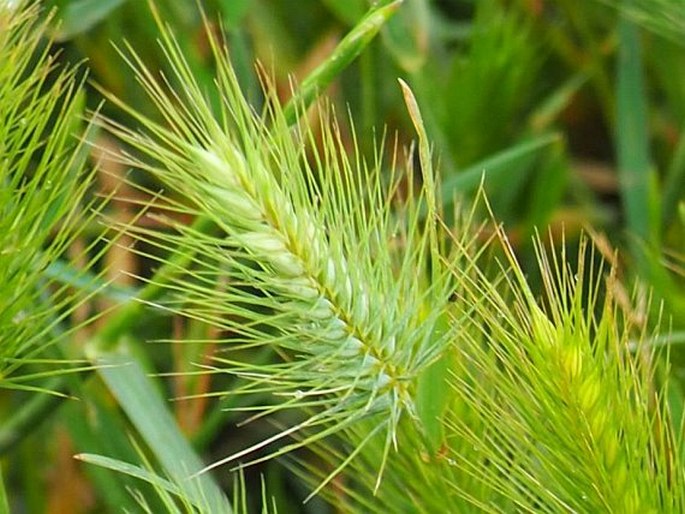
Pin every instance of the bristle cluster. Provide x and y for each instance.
(573, 411)
(312, 282)
(301, 264)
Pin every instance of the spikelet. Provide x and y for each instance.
(566, 409)
(332, 307)
(302, 264)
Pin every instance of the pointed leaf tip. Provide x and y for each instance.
(412, 108)
(424, 146)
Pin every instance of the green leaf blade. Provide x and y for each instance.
(346, 51)
(138, 397)
(80, 16)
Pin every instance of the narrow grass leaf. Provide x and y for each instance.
(133, 471)
(346, 51)
(674, 183)
(82, 15)
(632, 139)
(95, 427)
(432, 398)
(551, 107)
(139, 398)
(665, 18)
(4, 503)
(496, 167)
(65, 273)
